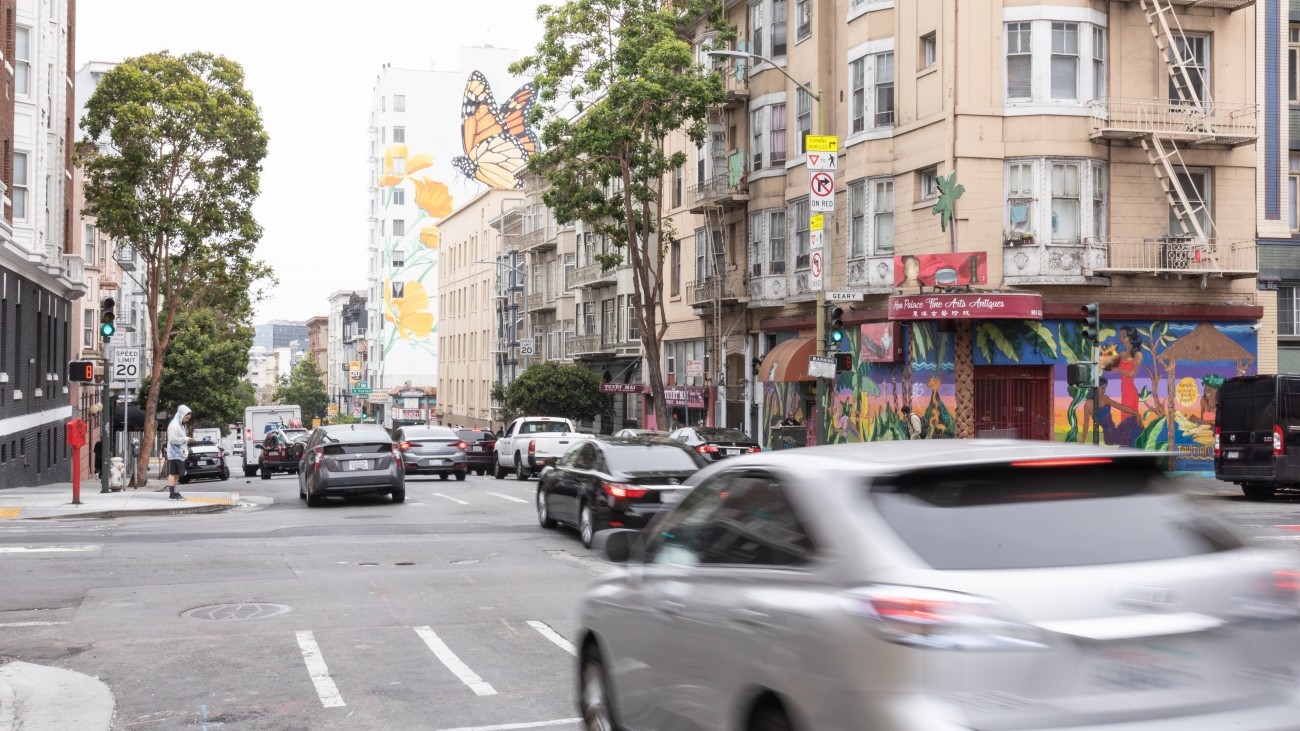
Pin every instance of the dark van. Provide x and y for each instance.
(1257, 434)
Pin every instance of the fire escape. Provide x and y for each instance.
(1188, 120)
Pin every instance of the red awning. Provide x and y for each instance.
(788, 361)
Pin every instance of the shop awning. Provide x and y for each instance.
(788, 361)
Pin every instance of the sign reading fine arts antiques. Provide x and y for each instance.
(967, 306)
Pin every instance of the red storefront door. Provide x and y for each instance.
(1013, 402)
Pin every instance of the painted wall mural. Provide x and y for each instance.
(497, 140)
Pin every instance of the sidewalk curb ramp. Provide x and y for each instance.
(40, 697)
(128, 513)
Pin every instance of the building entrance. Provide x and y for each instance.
(1013, 402)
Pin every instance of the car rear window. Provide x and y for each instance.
(429, 432)
(203, 449)
(1247, 405)
(651, 458)
(1021, 516)
(357, 436)
(714, 434)
(473, 435)
(543, 427)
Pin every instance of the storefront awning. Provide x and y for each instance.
(788, 361)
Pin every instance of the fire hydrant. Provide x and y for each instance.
(116, 474)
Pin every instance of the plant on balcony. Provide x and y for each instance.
(628, 70)
(1018, 238)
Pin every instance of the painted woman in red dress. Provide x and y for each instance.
(1127, 362)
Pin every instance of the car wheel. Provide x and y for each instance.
(399, 495)
(481, 472)
(769, 717)
(544, 518)
(460, 477)
(586, 525)
(594, 701)
(521, 472)
(443, 477)
(1258, 491)
(266, 473)
(500, 472)
(250, 471)
(225, 475)
(302, 495)
(313, 500)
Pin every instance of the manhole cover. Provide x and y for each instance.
(245, 610)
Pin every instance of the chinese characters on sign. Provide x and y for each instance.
(1018, 306)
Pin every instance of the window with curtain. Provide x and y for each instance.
(1020, 66)
(780, 16)
(1065, 202)
(776, 137)
(857, 219)
(756, 130)
(802, 238)
(803, 16)
(701, 255)
(1065, 60)
(803, 118)
(1020, 197)
(776, 240)
(756, 244)
(882, 232)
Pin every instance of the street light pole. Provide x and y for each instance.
(820, 312)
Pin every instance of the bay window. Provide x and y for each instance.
(871, 100)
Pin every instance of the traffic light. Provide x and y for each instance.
(1091, 322)
(843, 362)
(835, 328)
(81, 371)
(107, 317)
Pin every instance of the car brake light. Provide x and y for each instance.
(619, 490)
(940, 620)
(1279, 444)
(397, 452)
(755, 449)
(319, 453)
(461, 445)
(406, 446)
(1073, 462)
(532, 447)
(707, 449)
(1276, 597)
(1217, 451)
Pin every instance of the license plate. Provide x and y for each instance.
(1143, 668)
(358, 464)
(1232, 454)
(734, 451)
(434, 462)
(476, 449)
(671, 497)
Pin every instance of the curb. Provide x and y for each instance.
(45, 697)
(128, 513)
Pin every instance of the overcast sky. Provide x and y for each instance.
(311, 65)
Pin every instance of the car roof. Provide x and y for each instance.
(641, 439)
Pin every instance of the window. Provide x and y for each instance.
(1020, 198)
(803, 19)
(1065, 202)
(633, 324)
(1288, 310)
(677, 187)
(882, 211)
(929, 51)
(1098, 62)
(1195, 51)
(756, 128)
(88, 330)
(399, 227)
(1065, 60)
(928, 185)
(756, 28)
(874, 103)
(608, 322)
(677, 268)
(802, 239)
(1019, 61)
(1293, 192)
(780, 17)
(701, 255)
(20, 185)
(1196, 186)
(737, 518)
(399, 197)
(776, 240)
(1293, 65)
(570, 263)
(399, 102)
(537, 279)
(857, 219)
(399, 134)
(588, 318)
(399, 166)
(756, 243)
(398, 289)
(777, 135)
(90, 245)
(1098, 188)
(23, 61)
(803, 118)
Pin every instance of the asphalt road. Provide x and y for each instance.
(451, 611)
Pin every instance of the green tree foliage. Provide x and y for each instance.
(304, 387)
(174, 177)
(552, 389)
(614, 79)
(245, 396)
(204, 368)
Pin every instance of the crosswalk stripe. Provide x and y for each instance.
(453, 663)
(28, 624)
(513, 726)
(507, 497)
(320, 674)
(553, 636)
(47, 549)
(454, 500)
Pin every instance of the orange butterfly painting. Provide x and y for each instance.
(497, 139)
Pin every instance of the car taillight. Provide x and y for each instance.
(405, 446)
(707, 449)
(319, 453)
(1217, 451)
(1279, 445)
(940, 620)
(397, 452)
(618, 489)
(461, 445)
(1275, 597)
(532, 447)
(755, 448)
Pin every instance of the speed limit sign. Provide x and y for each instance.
(126, 366)
(526, 346)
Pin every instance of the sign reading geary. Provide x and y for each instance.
(967, 306)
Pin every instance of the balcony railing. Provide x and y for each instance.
(735, 80)
(1215, 123)
(724, 289)
(591, 345)
(591, 275)
(541, 301)
(720, 190)
(1221, 4)
(124, 255)
(536, 240)
(1179, 255)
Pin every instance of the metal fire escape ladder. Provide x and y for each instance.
(1167, 30)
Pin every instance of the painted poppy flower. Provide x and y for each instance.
(432, 197)
(410, 312)
(430, 237)
(418, 162)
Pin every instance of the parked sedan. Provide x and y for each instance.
(480, 446)
(206, 460)
(715, 443)
(350, 459)
(994, 584)
(614, 482)
(640, 433)
(432, 450)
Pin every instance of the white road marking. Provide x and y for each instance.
(320, 674)
(28, 624)
(507, 497)
(553, 636)
(513, 726)
(453, 663)
(454, 500)
(590, 563)
(48, 549)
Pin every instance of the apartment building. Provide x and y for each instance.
(318, 342)
(347, 349)
(41, 268)
(1278, 182)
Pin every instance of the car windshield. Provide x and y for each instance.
(543, 427)
(651, 458)
(717, 434)
(1031, 516)
(474, 435)
(429, 432)
(355, 436)
(1247, 405)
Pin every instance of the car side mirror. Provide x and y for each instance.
(620, 545)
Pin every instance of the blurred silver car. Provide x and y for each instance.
(432, 450)
(921, 587)
(350, 459)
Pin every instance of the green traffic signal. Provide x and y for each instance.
(107, 317)
(837, 325)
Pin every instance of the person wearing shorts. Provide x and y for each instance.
(178, 448)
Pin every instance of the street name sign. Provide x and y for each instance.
(822, 143)
(128, 366)
(820, 366)
(823, 160)
(358, 391)
(843, 296)
(821, 189)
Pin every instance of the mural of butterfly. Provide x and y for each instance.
(497, 139)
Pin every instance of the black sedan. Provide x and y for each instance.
(351, 459)
(715, 443)
(480, 448)
(432, 450)
(206, 461)
(614, 482)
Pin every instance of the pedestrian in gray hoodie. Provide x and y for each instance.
(178, 448)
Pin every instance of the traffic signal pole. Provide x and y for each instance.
(1092, 331)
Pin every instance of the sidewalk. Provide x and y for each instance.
(55, 501)
(39, 697)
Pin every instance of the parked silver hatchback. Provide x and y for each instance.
(924, 586)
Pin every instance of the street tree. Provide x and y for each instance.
(172, 173)
(305, 388)
(204, 367)
(553, 389)
(614, 79)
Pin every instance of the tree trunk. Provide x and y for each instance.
(964, 369)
